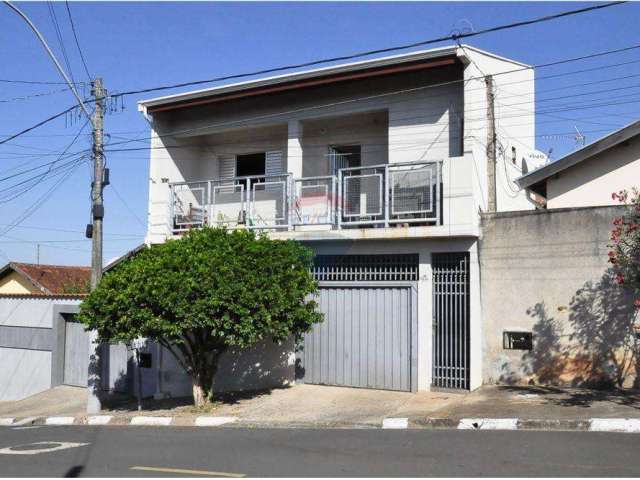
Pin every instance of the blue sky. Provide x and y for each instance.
(137, 45)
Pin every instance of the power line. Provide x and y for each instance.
(422, 43)
(39, 124)
(36, 82)
(56, 27)
(385, 94)
(75, 36)
(36, 205)
(33, 95)
(126, 205)
(64, 230)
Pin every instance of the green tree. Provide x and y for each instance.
(624, 253)
(205, 293)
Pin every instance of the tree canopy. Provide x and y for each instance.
(207, 292)
(624, 253)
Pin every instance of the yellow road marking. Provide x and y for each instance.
(189, 472)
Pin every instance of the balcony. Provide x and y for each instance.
(378, 196)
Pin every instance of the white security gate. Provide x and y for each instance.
(368, 335)
(76, 354)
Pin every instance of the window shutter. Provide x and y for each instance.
(273, 163)
(227, 166)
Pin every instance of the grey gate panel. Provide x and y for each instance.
(451, 345)
(365, 339)
(76, 354)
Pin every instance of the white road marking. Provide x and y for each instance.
(151, 420)
(214, 421)
(395, 423)
(488, 424)
(184, 471)
(629, 425)
(34, 451)
(59, 421)
(99, 419)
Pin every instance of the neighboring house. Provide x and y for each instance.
(588, 177)
(381, 167)
(29, 278)
(41, 344)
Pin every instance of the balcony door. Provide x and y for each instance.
(344, 156)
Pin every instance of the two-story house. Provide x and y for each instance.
(381, 167)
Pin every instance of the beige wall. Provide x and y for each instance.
(547, 272)
(14, 283)
(591, 183)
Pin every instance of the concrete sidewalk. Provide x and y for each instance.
(315, 406)
(544, 403)
(62, 400)
(325, 405)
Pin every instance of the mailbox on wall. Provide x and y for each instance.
(145, 360)
(517, 340)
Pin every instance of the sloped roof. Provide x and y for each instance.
(531, 179)
(455, 51)
(52, 279)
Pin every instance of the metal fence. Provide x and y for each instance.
(378, 195)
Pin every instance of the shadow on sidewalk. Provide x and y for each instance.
(577, 397)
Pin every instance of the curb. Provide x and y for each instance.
(617, 425)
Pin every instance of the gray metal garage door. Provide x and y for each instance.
(365, 339)
(76, 354)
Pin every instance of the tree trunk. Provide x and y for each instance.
(202, 389)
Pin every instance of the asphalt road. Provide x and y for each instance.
(175, 451)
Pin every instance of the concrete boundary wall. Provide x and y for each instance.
(547, 272)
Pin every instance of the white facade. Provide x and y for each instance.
(435, 114)
(591, 183)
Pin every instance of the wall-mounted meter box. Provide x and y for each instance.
(517, 340)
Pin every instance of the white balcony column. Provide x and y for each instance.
(294, 148)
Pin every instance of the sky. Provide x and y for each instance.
(138, 45)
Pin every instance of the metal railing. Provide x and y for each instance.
(397, 193)
(379, 195)
(260, 201)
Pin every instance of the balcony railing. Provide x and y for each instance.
(380, 195)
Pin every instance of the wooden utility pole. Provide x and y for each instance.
(492, 203)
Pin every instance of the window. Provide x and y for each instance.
(251, 164)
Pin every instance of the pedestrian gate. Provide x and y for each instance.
(76, 353)
(451, 345)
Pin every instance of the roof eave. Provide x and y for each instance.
(608, 141)
(144, 105)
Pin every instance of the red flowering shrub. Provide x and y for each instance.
(624, 252)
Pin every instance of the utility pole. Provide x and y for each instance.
(38, 254)
(492, 203)
(97, 207)
(94, 231)
(94, 403)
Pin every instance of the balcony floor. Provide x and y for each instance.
(391, 233)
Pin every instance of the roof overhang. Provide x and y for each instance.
(532, 179)
(438, 57)
(12, 267)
